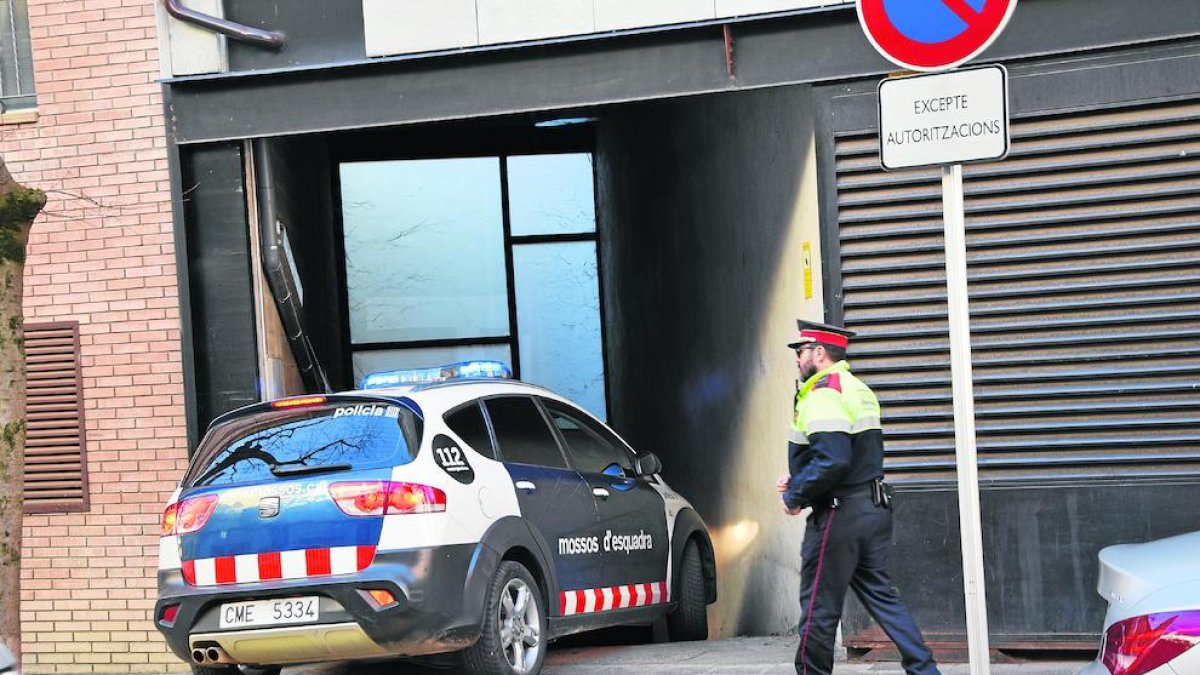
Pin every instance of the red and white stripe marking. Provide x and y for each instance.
(301, 564)
(616, 597)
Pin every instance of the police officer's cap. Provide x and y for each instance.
(812, 332)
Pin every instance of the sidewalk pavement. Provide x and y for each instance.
(738, 656)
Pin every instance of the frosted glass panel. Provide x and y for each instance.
(558, 320)
(551, 194)
(366, 362)
(424, 249)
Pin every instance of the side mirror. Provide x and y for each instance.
(648, 465)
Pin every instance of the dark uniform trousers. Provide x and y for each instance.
(845, 548)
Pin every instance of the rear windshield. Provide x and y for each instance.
(284, 443)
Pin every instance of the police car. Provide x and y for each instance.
(430, 512)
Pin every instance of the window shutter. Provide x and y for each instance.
(55, 462)
(1083, 255)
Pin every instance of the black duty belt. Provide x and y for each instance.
(860, 491)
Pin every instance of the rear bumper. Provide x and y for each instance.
(439, 592)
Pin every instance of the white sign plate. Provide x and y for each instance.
(945, 118)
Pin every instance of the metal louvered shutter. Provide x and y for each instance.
(55, 461)
(1084, 273)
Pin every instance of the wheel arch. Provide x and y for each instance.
(690, 526)
(511, 538)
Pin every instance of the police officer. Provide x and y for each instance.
(835, 464)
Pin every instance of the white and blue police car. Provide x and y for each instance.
(431, 512)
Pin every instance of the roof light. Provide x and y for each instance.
(301, 402)
(463, 370)
(563, 122)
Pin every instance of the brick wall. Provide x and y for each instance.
(102, 255)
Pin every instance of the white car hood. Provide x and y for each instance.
(1130, 572)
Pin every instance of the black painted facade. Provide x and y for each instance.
(319, 99)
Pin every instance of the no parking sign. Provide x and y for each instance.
(933, 35)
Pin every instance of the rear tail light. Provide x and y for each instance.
(169, 613)
(413, 498)
(383, 497)
(169, 518)
(188, 515)
(382, 596)
(1139, 645)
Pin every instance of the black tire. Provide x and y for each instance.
(490, 655)
(689, 621)
(260, 670)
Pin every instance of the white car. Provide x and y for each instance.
(479, 516)
(1153, 621)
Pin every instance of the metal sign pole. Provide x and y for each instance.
(969, 516)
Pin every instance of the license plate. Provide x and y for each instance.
(270, 612)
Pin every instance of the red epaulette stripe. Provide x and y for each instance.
(189, 572)
(835, 381)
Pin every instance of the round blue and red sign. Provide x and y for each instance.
(932, 35)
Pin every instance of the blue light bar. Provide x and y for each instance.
(564, 122)
(463, 370)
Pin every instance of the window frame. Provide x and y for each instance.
(511, 241)
(592, 426)
(475, 143)
(18, 106)
(569, 464)
(225, 431)
(487, 426)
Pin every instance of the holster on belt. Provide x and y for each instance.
(881, 493)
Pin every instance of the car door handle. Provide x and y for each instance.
(600, 492)
(525, 485)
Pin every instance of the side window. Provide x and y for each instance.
(16, 59)
(470, 426)
(521, 432)
(593, 447)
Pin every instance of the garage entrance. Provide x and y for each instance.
(645, 263)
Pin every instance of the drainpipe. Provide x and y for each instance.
(271, 39)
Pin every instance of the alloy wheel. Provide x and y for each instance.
(520, 626)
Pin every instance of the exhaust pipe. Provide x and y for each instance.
(206, 654)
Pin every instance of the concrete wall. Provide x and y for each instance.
(103, 254)
(705, 206)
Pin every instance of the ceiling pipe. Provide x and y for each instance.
(265, 38)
